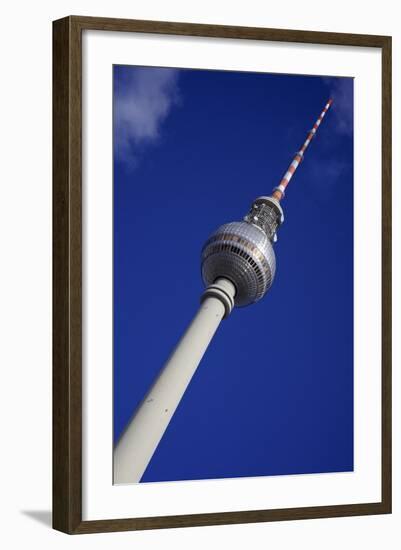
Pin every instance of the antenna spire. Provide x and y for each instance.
(279, 191)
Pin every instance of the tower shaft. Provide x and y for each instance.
(139, 441)
(279, 191)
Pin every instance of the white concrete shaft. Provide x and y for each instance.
(139, 441)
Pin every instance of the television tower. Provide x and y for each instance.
(238, 267)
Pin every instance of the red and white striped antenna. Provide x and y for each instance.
(279, 191)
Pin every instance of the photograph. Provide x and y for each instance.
(233, 274)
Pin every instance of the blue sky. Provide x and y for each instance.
(274, 393)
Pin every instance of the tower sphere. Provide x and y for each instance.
(242, 253)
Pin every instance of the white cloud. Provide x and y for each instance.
(142, 101)
(342, 111)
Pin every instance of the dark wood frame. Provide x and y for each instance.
(67, 278)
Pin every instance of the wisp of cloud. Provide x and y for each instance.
(142, 101)
(332, 158)
(341, 93)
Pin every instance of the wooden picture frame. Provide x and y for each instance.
(67, 274)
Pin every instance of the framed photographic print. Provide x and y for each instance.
(222, 275)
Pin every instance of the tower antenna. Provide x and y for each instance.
(279, 191)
